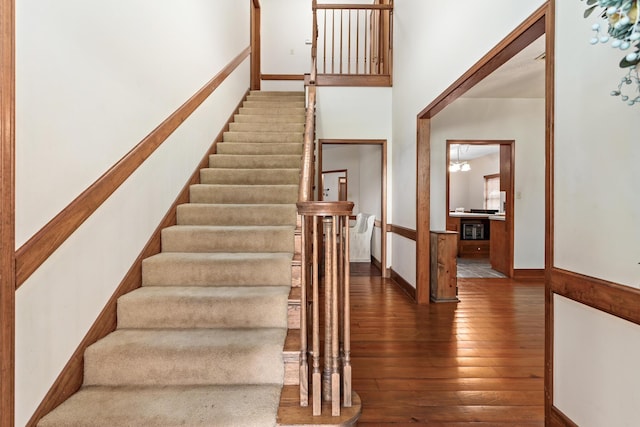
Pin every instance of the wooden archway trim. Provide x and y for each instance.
(528, 31)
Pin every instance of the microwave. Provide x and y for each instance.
(473, 232)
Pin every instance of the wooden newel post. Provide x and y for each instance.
(333, 382)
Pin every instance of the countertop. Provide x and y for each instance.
(468, 215)
(496, 217)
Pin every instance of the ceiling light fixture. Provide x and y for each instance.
(459, 166)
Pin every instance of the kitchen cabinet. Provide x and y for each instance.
(499, 253)
(470, 245)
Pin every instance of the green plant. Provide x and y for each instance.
(623, 25)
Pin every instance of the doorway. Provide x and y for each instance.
(363, 164)
(480, 205)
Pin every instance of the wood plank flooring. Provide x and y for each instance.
(478, 362)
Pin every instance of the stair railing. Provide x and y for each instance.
(325, 244)
(354, 39)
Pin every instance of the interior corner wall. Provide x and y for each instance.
(92, 82)
(424, 65)
(596, 217)
(285, 30)
(521, 120)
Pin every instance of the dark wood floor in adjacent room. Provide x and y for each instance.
(478, 362)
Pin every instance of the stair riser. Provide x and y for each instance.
(272, 111)
(199, 239)
(293, 316)
(272, 104)
(241, 215)
(224, 161)
(262, 137)
(250, 176)
(296, 276)
(183, 366)
(233, 272)
(204, 193)
(175, 311)
(266, 127)
(259, 148)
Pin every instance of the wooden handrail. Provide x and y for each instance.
(353, 6)
(305, 191)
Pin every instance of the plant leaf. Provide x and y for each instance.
(590, 2)
(589, 11)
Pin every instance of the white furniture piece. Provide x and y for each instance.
(360, 238)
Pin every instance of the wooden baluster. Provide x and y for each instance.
(366, 33)
(324, 44)
(341, 43)
(357, 41)
(333, 40)
(304, 364)
(328, 312)
(316, 375)
(335, 372)
(349, 46)
(346, 356)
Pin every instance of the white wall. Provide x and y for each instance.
(596, 216)
(426, 62)
(92, 81)
(521, 120)
(344, 157)
(466, 189)
(358, 113)
(371, 190)
(285, 27)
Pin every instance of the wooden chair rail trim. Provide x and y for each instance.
(353, 6)
(501, 53)
(70, 379)
(402, 231)
(45, 242)
(282, 76)
(558, 419)
(7, 210)
(613, 298)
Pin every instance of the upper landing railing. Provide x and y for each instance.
(353, 43)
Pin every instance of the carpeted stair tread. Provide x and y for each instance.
(240, 214)
(216, 238)
(262, 137)
(269, 118)
(252, 194)
(266, 127)
(167, 307)
(217, 269)
(269, 111)
(270, 103)
(249, 176)
(253, 148)
(169, 406)
(265, 161)
(186, 357)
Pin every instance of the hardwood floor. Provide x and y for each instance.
(479, 362)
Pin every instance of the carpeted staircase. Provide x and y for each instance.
(201, 342)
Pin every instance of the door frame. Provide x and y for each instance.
(7, 213)
(383, 190)
(321, 189)
(542, 21)
(510, 208)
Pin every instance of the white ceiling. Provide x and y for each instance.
(471, 151)
(521, 77)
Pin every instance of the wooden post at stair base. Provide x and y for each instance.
(304, 364)
(335, 371)
(328, 311)
(316, 376)
(346, 335)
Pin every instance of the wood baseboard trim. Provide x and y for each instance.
(403, 284)
(403, 231)
(528, 274)
(376, 263)
(48, 239)
(619, 300)
(558, 419)
(70, 379)
(282, 77)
